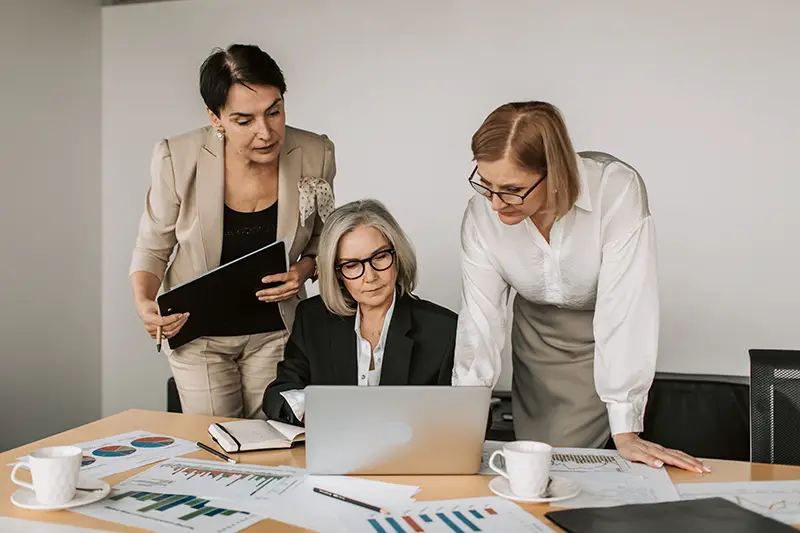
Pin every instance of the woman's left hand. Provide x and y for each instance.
(290, 283)
(632, 448)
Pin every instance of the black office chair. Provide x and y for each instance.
(173, 398)
(705, 416)
(775, 406)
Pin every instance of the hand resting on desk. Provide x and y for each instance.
(632, 448)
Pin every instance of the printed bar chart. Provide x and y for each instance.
(168, 512)
(165, 502)
(457, 516)
(215, 480)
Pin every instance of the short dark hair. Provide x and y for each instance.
(245, 64)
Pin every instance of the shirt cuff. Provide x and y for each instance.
(297, 402)
(625, 418)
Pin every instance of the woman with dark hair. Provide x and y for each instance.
(218, 193)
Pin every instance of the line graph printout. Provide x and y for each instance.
(774, 499)
(586, 460)
(214, 479)
(567, 460)
(606, 479)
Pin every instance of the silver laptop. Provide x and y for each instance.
(395, 430)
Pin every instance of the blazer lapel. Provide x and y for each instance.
(289, 173)
(397, 354)
(210, 184)
(342, 351)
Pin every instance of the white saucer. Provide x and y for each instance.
(26, 499)
(560, 489)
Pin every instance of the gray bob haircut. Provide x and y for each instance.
(343, 220)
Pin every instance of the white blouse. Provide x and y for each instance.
(601, 256)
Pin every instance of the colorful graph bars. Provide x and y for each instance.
(257, 481)
(458, 521)
(165, 502)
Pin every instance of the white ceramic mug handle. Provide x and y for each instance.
(497, 469)
(14, 475)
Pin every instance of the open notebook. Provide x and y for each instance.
(248, 435)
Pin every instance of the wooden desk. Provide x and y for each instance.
(192, 427)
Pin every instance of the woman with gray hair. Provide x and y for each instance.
(366, 328)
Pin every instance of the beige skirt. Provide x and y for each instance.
(553, 394)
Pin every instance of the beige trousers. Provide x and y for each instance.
(553, 396)
(227, 376)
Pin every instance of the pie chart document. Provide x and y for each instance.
(118, 453)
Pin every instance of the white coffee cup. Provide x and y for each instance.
(527, 466)
(54, 471)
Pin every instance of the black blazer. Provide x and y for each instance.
(322, 350)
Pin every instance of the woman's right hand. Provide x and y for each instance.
(171, 324)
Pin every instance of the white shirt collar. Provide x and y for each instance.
(386, 320)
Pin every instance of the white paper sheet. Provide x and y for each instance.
(16, 525)
(606, 479)
(168, 513)
(305, 508)
(119, 453)
(215, 479)
(489, 515)
(566, 459)
(775, 499)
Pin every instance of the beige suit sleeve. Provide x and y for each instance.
(156, 238)
(328, 173)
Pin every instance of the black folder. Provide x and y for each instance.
(687, 516)
(217, 300)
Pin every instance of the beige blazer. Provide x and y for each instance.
(185, 202)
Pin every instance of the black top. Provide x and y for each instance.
(244, 233)
(322, 350)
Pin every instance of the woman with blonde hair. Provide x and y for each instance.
(366, 328)
(572, 235)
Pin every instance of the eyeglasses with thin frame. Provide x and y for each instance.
(379, 261)
(509, 198)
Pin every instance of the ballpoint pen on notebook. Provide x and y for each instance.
(215, 452)
(350, 500)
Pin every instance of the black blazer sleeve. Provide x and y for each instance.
(294, 372)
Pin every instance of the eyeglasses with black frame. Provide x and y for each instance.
(509, 198)
(379, 261)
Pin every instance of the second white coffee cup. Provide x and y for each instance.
(527, 466)
(55, 473)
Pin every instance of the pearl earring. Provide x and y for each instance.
(220, 134)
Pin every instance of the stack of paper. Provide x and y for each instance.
(222, 497)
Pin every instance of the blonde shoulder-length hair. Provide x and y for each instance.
(342, 221)
(533, 136)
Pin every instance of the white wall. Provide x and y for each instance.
(700, 96)
(49, 217)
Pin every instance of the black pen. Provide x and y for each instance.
(350, 500)
(215, 452)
